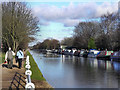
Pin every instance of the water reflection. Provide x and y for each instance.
(63, 71)
(116, 66)
(104, 64)
(51, 55)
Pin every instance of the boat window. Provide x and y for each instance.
(116, 53)
(102, 53)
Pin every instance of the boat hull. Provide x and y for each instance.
(103, 57)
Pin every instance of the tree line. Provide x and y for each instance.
(47, 44)
(102, 34)
(18, 24)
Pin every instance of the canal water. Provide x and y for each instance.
(77, 72)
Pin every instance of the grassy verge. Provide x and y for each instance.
(36, 74)
(2, 57)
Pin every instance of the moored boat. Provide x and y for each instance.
(93, 53)
(77, 53)
(66, 52)
(85, 54)
(115, 56)
(81, 52)
(104, 55)
(48, 51)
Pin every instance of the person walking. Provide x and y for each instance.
(9, 57)
(20, 57)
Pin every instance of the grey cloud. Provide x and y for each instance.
(72, 14)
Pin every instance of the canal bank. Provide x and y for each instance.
(37, 76)
(9, 77)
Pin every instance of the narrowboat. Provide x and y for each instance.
(77, 53)
(93, 53)
(104, 55)
(85, 54)
(81, 52)
(115, 56)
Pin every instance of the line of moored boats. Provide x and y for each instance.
(92, 53)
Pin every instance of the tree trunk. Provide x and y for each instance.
(16, 46)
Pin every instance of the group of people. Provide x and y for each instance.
(9, 58)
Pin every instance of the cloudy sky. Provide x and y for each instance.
(57, 19)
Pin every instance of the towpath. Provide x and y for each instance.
(15, 77)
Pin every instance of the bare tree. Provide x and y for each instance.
(67, 41)
(108, 29)
(84, 31)
(18, 24)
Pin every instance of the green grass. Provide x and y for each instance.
(2, 57)
(36, 73)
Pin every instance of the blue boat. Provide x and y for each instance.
(115, 56)
(93, 53)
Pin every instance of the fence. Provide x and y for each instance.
(28, 73)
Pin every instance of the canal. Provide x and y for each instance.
(77, 72)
